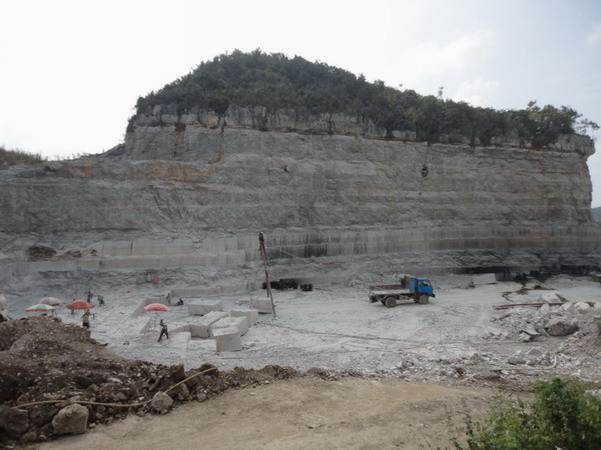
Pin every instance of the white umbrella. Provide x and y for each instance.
(40, 307)
(52, 301)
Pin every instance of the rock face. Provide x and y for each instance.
(194, 189)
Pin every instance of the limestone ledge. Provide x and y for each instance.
(240, 250)
(170, 117)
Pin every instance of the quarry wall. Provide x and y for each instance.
(194, 189)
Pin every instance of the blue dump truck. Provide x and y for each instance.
(411, 288)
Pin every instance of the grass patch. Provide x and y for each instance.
(15, 157)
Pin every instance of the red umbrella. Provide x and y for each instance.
(156, 307)
(80, 304)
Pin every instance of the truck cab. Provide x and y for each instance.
(419, 286)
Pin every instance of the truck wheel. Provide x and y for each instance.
(423, 299)
(390, 301)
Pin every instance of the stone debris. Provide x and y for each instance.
(536, 356)
(528, 324)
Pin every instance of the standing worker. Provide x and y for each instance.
(85, 319)
(164, 331)
(90, 295)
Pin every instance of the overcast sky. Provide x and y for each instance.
(71, 71)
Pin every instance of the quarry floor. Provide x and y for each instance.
(455, 336)
(414, 363)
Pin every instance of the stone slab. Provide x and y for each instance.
(240, 323)
(251, 314)
(202, 308)
(263, 305)
(201, 328)
(227, 339)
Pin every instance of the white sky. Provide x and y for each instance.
(71, 71)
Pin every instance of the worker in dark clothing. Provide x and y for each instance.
(180, 302)
(164, 331)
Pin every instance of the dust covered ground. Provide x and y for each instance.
(300, 413)
(373, 364)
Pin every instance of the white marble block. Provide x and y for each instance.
(227, 339)
(240, 323)
(263, 305)
(251, 314)
(202, 308)
(202, 327)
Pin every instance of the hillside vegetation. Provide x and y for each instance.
(14, 157)
(277, 81)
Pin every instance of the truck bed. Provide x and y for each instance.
(386, 287)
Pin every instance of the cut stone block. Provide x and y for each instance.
(227, 339)
(262, 305)
(202, 308)
(201, 327)
(240, 323)
(251, 314)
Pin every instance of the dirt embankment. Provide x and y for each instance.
(299, 413)
(42, 359)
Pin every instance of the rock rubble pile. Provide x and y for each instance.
(81, 384)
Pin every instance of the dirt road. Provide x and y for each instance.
(365, 413)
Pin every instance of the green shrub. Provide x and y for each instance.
(276, 81)
(562, 416)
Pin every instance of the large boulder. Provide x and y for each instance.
(561, 326)
(13, 421)
(583, 307)
(161, 402)
(72, 419)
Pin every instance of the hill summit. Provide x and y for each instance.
(277, 81)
